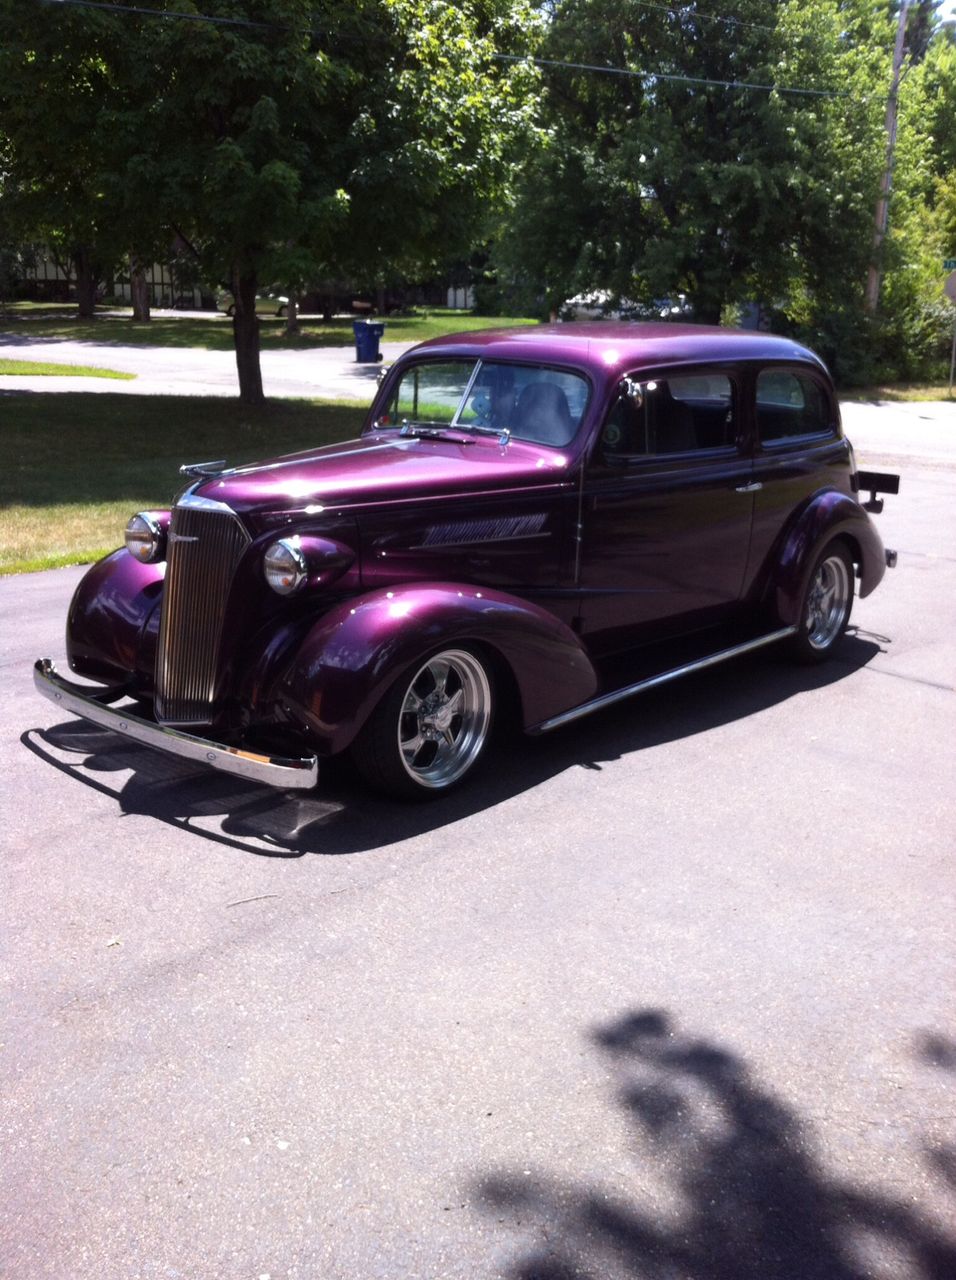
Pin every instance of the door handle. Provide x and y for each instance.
(749, 488)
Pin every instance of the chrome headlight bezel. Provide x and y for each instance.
(284, 566)
(145, 538)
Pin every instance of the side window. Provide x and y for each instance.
(791, 404)
(684, 414)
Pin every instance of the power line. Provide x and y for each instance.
(677, 11)
(169, 13)
(644, 76)
(664, 75)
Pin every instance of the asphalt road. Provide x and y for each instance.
(191, 371)
(667, 995)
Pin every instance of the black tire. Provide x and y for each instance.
(432, 727)
(231, 309)
(826, 604)
(280, 311)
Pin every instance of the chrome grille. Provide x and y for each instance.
(205, 545)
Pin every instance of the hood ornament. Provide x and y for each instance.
(202, 470)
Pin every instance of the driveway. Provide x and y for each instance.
(330, 372)
(668, 994)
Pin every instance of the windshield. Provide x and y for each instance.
(530, 402)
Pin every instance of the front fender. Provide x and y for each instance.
(828, 515)
(352, 655)
(113, 621)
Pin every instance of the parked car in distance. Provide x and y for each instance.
(601, 305)
(541, 522)
(267, 304)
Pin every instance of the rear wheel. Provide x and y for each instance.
(827, 601)
(431, 729)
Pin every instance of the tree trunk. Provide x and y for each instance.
(139, 290)
(707, 313)
(292, 313)
(245, 329)
(87, 278)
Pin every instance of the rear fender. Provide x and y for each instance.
(829, 514)
(113, 621)
(351, 656)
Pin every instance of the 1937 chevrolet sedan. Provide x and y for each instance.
(543, 521)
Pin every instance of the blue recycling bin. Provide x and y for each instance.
(368, 334)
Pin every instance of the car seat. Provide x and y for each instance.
(543, 414)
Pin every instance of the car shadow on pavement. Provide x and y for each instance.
(342, 816)
(730, 1186)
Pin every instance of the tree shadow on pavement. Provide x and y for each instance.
(752, 1202)
(342, 816)
(940, 1051)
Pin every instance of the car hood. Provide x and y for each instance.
(384, 467)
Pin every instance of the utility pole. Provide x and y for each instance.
(881, 220)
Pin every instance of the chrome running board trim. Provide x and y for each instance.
(274, 771)
(665, 677)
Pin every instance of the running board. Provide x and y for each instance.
(665, 677)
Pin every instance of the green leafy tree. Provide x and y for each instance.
(915, 325)
(663, 181)
(56, 104)
(290, 141)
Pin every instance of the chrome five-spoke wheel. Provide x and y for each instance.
(430, 729)
(826, 604)
(444, 719)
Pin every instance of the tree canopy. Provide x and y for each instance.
(616, 145)
(728, 159)
(284, 141)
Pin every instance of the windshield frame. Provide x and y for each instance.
(432, 427)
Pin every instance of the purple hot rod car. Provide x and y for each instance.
(539, 521)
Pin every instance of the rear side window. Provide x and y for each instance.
(687, 414)
(791, 404)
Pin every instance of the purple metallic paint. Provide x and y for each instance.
(356, 651)
(114, 620)
(401, 561)
(327, 560)
(384, 467)
(828, 515)
(607, 351)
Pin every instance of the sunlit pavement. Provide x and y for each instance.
(321, 372)
(668, 994)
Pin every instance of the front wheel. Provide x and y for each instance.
(430, 729)
(827, 601)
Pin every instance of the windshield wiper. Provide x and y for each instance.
(479, 428)
(419, 431)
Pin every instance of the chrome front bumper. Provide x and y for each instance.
(90, 704)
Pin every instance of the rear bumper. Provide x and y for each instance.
(274, 771)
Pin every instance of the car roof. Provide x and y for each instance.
(610, 349)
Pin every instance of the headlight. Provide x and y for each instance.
(145, 538)
(285, 567)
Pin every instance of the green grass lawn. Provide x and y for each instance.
(75, 467)
(36, 369)
(900, 391)
(214, 332)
